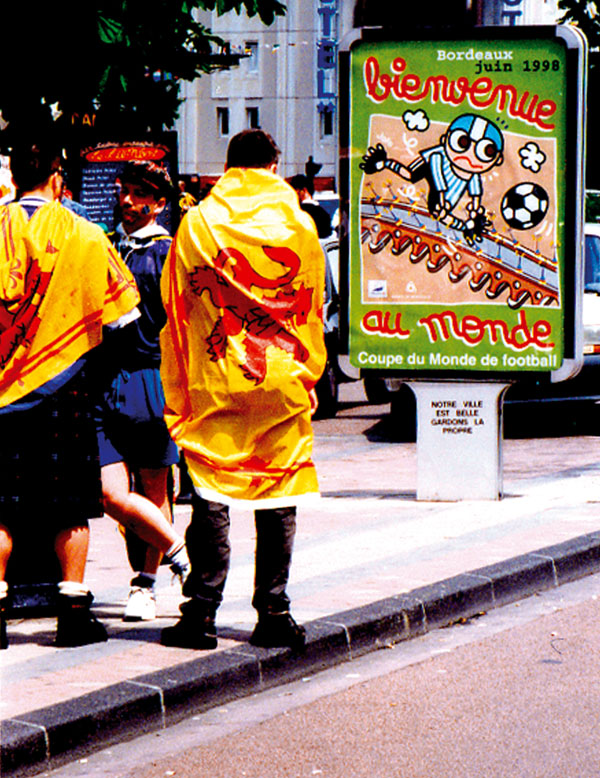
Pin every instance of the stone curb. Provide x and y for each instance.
(45, 738)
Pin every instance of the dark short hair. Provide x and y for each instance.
(300, 181)
(252, 148)
(33, 161)
(153, 178)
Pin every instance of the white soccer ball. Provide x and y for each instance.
(524, 206)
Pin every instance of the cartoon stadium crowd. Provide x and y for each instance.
(125, 354)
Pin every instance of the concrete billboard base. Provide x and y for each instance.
(459, 440)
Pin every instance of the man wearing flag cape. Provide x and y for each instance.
(61, 282)
(241, 353)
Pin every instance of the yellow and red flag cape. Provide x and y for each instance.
(60, 282)
(243, 344)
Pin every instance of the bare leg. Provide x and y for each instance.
(6, 545)
(152, 560)
(71, 547)
(133, 511)
(75, 624)
(154, 484)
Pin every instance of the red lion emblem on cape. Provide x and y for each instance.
(19, 321)
(265, 323)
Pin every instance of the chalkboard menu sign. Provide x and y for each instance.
(101, 164)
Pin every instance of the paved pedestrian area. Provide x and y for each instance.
(365, 540)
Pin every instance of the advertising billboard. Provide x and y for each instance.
(464, 192)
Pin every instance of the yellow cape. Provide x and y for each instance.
(60, 281)
(243, 345)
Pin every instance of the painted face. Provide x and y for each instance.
(138, 207)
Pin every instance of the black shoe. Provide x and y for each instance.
(275, 630)
(195, 629)
(190, 633)
(76, 625)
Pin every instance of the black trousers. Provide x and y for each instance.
(207, 540)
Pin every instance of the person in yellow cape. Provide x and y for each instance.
(241, 353)
(61, 282)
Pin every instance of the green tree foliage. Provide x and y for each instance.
(118, 63)
(585, 14)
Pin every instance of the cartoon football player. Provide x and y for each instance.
(470, 147)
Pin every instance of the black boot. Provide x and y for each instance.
(3, 611)
(76, 625)
(195, 629)
(275, 630)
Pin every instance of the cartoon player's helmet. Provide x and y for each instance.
(470, 129)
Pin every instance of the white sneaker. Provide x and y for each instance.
(141, 605)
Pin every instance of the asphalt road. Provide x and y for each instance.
(514, 693)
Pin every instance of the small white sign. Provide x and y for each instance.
(377, 288)
(459, 453)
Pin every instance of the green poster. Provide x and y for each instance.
(461, 244)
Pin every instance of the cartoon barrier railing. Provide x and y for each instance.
(496, 265)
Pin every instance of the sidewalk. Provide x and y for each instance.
(371, 566)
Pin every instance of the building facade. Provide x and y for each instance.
(286, 82)
(514, 12)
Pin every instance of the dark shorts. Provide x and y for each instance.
(130, 423)
(49, 468)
